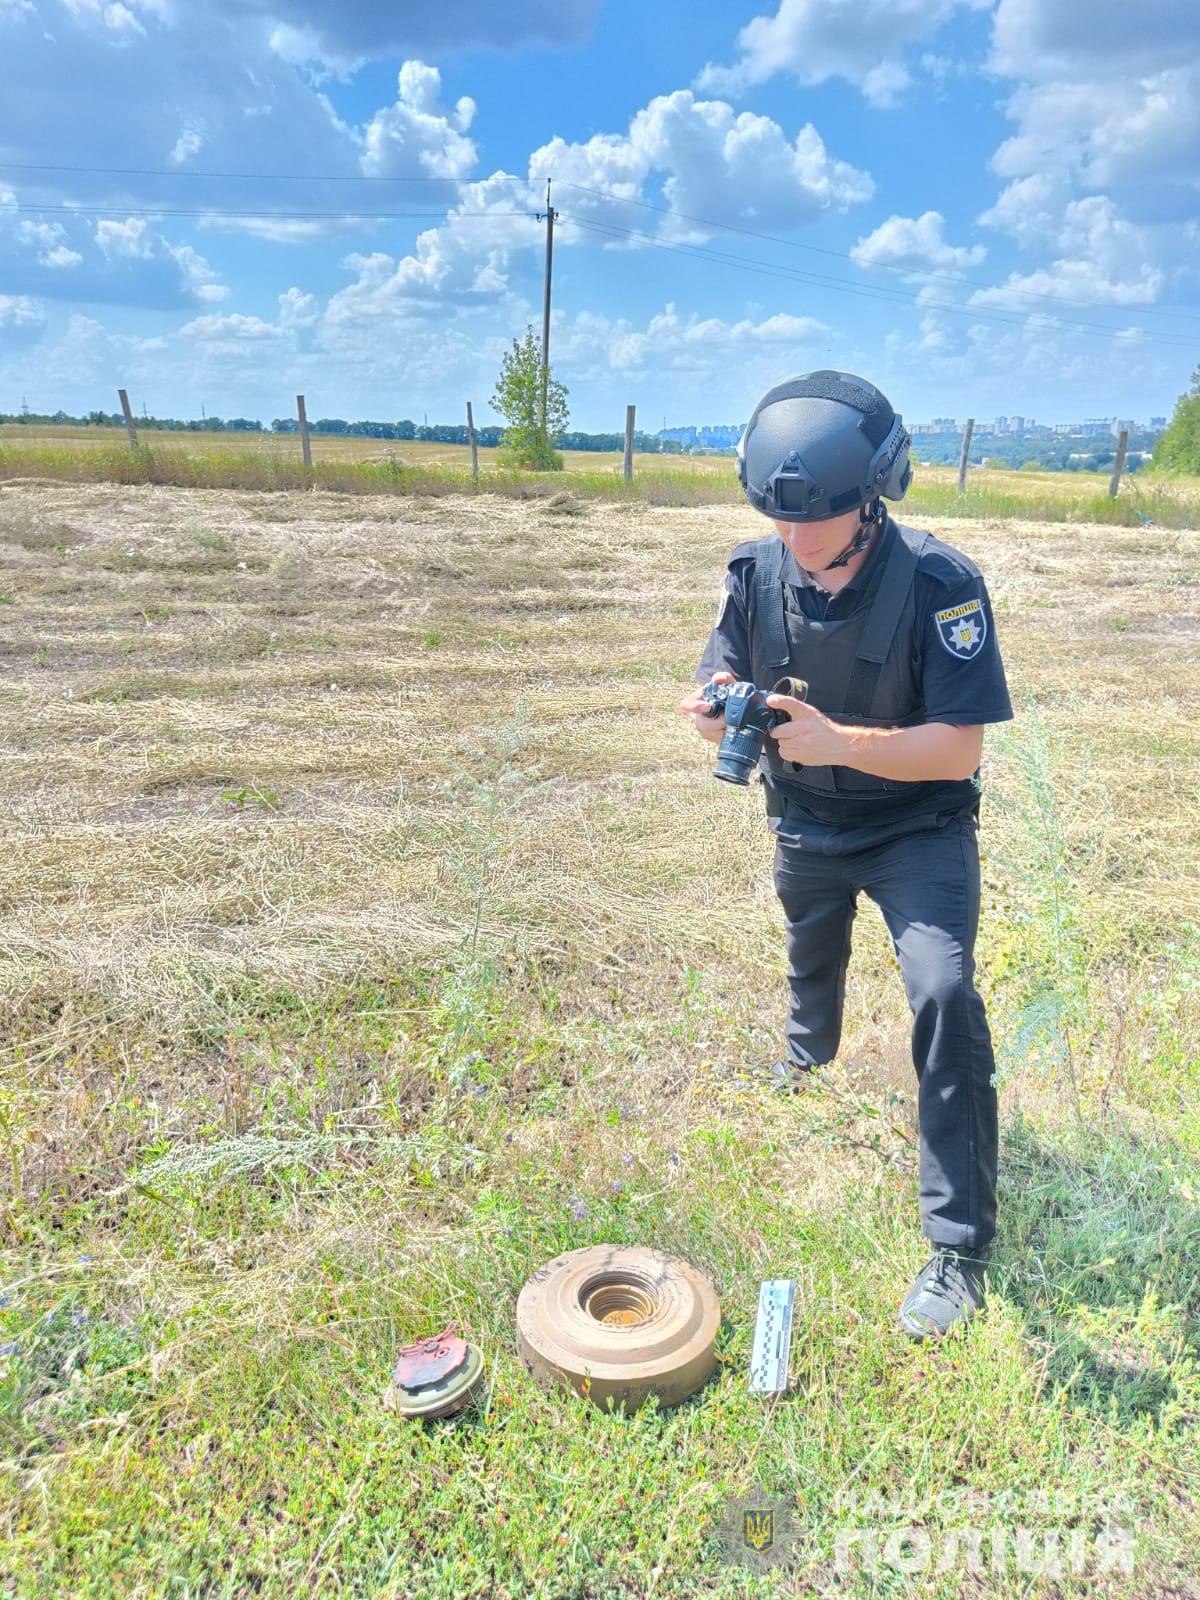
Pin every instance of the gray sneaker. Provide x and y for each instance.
(947, 1290)
(789, 1076)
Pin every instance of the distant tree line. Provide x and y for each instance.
(456, 433)
(434, 432)
(114, 419)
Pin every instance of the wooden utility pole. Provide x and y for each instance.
(630, 413)
(551, 217)
(1114, 483)
(966, 450)
(474, 443)
(302, 416)
(130, 424)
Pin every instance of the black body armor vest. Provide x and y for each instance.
(860, 669)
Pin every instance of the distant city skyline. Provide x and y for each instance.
(716, 435)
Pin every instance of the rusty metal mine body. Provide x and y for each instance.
(619, 1321)
(435, 1377)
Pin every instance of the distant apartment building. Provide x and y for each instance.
(711, 436)
(938, 425)
(719, 436)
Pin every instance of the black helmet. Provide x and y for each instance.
(821, 444)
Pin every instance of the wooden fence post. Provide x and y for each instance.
(302, 415)
(474, 443)
(1114, 483)
(630, 412)
(966, 450)
(130, 425)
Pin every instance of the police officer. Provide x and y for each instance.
(872, 783)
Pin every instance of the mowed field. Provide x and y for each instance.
(372, 930)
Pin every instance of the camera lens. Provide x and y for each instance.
(738, 755)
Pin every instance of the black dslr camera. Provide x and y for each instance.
(748, 718)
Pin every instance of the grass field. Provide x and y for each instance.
(371, 930)
(371, 466)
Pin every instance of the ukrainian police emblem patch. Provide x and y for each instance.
(962, 629)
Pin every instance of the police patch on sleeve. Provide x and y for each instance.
(962, 629)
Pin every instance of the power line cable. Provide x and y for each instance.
(844, 255)
(838, 285)
(602, 194)
(256, 177)
(280, 216)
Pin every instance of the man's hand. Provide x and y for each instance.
(808, 736)
(710, 728)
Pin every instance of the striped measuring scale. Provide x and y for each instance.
(772, 1336)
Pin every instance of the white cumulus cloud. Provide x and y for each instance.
(916, 245)
(862, 41)
(61, 256)
(416, 136)
(341, 37)
(1102, 179)
(699, 348)
(18, 311)
(1048, 365)
(710, 161)
(1104, 260)
(1110, 97)
(231, 329)
(700, 157)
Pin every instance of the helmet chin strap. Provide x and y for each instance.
(866, 527)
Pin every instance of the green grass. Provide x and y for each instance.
(199, 1389)
(327, 1015)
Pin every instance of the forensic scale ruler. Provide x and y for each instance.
(772, 1336)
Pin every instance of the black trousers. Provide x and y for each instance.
(923, 874)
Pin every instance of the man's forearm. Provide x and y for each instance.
(933, 751)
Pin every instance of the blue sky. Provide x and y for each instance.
(984, 207)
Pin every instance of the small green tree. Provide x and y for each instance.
(518, 399)
(1178, 449)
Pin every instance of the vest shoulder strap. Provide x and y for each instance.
(768, 625)
(879, 632)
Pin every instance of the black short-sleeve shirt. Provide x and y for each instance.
(962, 677)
